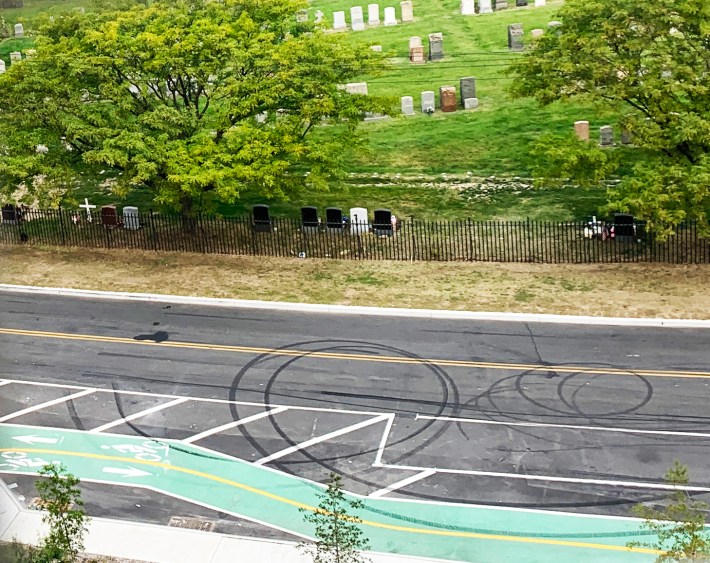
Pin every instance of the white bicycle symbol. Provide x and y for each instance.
(147, 451)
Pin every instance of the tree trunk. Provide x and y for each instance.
(189, 222)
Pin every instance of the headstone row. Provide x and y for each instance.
(606, 134)
(447, 98)
(473, 7)
(357, 21)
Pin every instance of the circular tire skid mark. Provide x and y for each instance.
(446, 404)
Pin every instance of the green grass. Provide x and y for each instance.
(10, 45)
(33, 8)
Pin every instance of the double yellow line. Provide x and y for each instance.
(253, 350)
(300, 505)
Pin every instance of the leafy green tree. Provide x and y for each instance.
(339, 538)
(648, 63)
(680, 526)
(195, 100)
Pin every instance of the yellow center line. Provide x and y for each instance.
(297, 504)
(360, 357)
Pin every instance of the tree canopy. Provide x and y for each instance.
(188, 98)
(650, 63)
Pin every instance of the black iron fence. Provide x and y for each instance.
(411, 239)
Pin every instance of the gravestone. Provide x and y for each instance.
(9, 214)
(309, 220)
(512, 28)
(407, 103)
(624, 227)
(302, 16)
(447, 98)
(356, 88)
(416, 55)
(19, 30)
(15, 57)
(262, 117)
(540, 3)
(373, 14)
(485, 7)
(390, 16)
(625, 137)
(606, 136)
(468, 8)
(377, 48)
(537, 33)
(30, 53)
(428, 101)
(356, 21)
(501, 5)
(581, 129)
(358, 221)
(319, 16)
(516, 39)
(415, 41)
(436, 46)
(521, 3)
(470, 103)
(262, 219)
(109, 217)
(467, 86)
(334, 219)
(339, 21)
(131, 220)
(382, 223)
(407, 10)
(2, 66)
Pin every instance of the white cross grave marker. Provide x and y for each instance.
(88, 208)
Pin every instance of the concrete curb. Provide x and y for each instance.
(356, 310)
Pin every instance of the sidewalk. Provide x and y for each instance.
(159, 544)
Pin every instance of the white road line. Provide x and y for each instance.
(4, 382)
(569, 426)
(232, 424)
(383, 441)
(47, 404)
(201, 399)
(320, 439)
(403, 483)
(549, 478)
(138, 415)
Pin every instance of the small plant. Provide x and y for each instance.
(680, 526)
(61, 498)
(339, 538)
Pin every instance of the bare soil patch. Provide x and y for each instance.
(625, 290)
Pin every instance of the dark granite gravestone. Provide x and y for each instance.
(9, 214)
(334, 219)
(109, 217)
(262, 219)
(309, 220)
(382, 223)
(624, 230)
(515, 37)
(521, 3)
(436, 46)
(467, 87)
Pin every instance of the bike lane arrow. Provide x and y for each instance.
(126, 471)
(34, 439)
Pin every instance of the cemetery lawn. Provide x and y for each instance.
(627, 290)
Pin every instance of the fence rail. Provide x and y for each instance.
(463, 240)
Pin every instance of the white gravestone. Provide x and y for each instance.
(319, 16)
(428, 101)
(356, 88)
(390, 16)
(19, 30)
(339, 21)
(415, 42)
(407, 10)
(470, 103)
(537, 33)
(540, 3)
(356, 21)
(130, 218)
(407, 105)
(358, 221)
(376, 48)
(15, 57)
(468, 8)
(373, 14)
(485, 7)
(2, 66)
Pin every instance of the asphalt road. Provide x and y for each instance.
(555, 417)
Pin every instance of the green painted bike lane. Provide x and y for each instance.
(439, 530)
